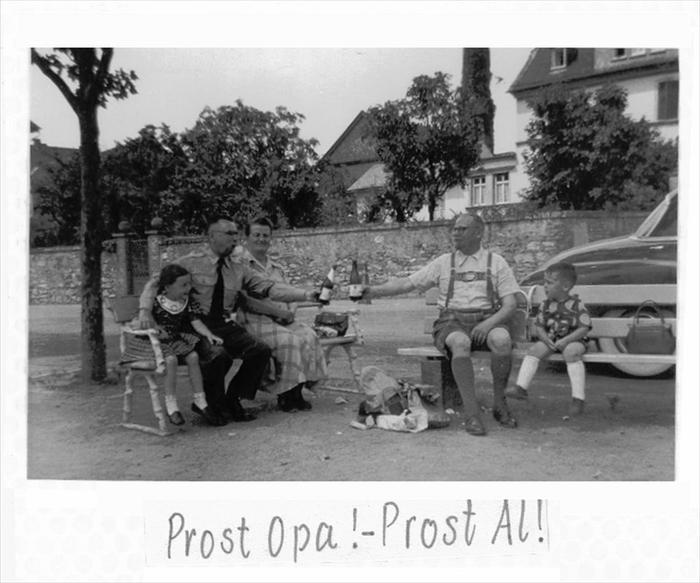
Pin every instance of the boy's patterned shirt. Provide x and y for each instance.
(561, 318)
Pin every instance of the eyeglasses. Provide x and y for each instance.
(229, 233)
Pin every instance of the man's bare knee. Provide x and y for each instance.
(499, 341)
(458, 343)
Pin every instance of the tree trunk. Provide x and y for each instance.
(476, 81)
(93, 357)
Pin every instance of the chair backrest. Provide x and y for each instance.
(124, 308)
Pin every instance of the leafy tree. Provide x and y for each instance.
(136, 173)
(59, 200)
(476, 82)
(428, 142)
(242, 162)
(586, 154)
(82, 76)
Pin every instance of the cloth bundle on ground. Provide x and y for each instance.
(397, 405)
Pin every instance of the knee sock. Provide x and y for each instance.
(463, 372)
(577, 374)
(171, 404)
(200, 400)
(500, 371)
(527, 371)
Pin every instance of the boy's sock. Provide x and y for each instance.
(577, 374)
(171, 404)
(527, 371)
(463, 372)
(200, 400)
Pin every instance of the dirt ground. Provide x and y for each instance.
(73, 430)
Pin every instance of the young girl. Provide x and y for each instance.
(561, 325)
(178, 316)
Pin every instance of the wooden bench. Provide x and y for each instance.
(435, 369)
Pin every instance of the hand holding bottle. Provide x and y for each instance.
(324, 295)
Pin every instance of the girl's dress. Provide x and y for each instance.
(177, 337)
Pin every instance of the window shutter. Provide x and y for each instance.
(668, 100)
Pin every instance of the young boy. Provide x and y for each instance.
(561, 325)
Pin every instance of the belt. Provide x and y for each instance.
(486, 312)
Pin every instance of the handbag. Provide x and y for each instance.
(649, 336)
(337, 321)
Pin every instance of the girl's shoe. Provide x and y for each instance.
(176, 418)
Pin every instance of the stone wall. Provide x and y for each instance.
(54, 274)
(389, 250)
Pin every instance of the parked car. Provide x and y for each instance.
(648, 256)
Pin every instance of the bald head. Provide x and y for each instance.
(467, 232)
(223, 236)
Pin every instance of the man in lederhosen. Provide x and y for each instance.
(476, 300)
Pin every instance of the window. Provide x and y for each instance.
(478, 190)
(668, 100)
(501, 187)
(558, 58)
(625, 53)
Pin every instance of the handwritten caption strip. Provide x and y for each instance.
(307, 532)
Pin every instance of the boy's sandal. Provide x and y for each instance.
(176, 418)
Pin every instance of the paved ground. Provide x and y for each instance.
(73, 431)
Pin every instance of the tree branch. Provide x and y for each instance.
(102, 69)
(46, 69)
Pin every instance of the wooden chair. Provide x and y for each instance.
(347, 342)
(352, 337)
(125, 309)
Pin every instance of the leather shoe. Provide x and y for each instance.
(286, 402)
(238, 413)
(176, 418)
(301, 403)
(209, 416)
(505, 417)
(474, 426)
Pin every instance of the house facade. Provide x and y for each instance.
(650, 77)
(363, 174)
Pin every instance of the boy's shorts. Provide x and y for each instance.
(460, 321)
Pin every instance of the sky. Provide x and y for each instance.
(329, 86)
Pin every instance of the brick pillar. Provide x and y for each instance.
(122, 279)
(580, 232)
(153, 245)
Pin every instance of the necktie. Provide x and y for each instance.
(216, 311)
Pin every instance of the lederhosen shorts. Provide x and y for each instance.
(460, 321)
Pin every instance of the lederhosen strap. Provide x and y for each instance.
(490, 291)
(451, 284)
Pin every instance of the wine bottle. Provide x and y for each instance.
(327, 287)
(355, 290)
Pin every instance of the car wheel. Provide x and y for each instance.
(617, 345)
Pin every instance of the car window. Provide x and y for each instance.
(662, 222)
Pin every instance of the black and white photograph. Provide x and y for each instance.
(363, 269)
